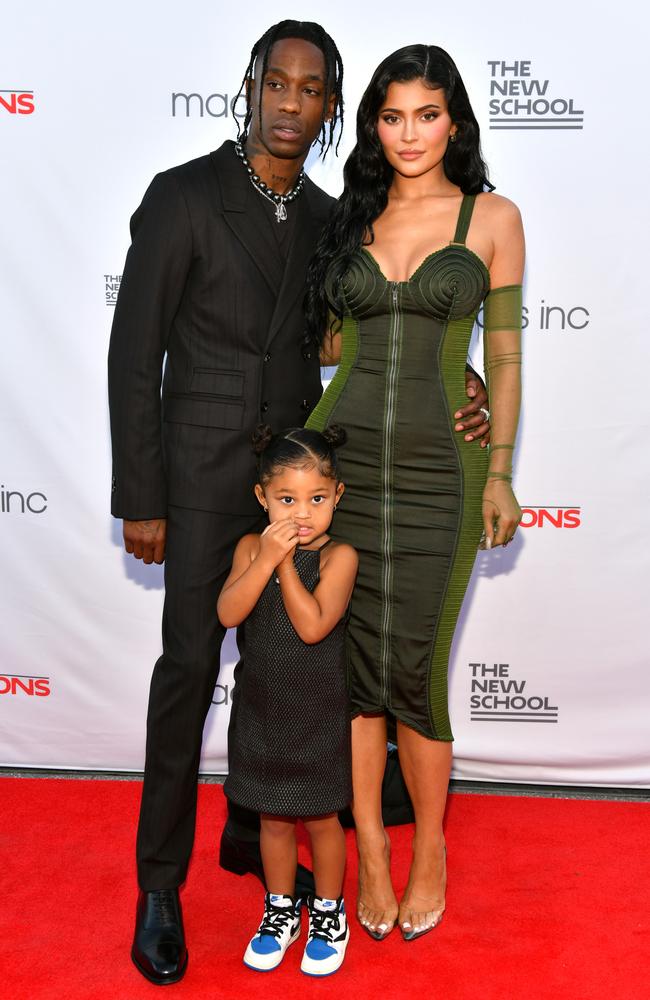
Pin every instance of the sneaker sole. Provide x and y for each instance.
(322, 975)
(270, 968)
(313, 971)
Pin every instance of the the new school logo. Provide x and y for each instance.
(520, 100)
(215, 105)
(14, 101)
(111, 288)
(551, 517)
(25, 685)
(495, 696)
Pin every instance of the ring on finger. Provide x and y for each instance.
(485, 412)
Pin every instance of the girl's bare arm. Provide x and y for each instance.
(314, 615)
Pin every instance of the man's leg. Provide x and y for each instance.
(239, 851)
(197, 561)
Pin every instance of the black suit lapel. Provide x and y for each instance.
(309, 224)
(243, 216)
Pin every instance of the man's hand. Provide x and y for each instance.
(473, 418)
(146, 539)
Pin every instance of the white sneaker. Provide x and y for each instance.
(328, 937)
(280, 927)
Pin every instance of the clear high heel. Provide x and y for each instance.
(377, 931)
(414, 927)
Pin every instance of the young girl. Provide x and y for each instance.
(290, 755)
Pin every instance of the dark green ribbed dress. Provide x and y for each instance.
(412, 506)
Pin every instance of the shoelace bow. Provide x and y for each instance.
(323, 925)
(165, 909)
(275, 920)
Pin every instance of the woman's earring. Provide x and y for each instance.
(452, 137)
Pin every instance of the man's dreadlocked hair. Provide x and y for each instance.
(309, 31)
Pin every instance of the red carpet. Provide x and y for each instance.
(546, 899)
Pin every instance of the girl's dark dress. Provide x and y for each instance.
(290, 745)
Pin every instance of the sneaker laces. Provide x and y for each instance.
(323, 925)
(276, 919)
(164, 902)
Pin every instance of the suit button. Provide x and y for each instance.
(307, 356)
(304, 405)
(264, 407)
(267, 357)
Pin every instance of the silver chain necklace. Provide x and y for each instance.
(279, 201)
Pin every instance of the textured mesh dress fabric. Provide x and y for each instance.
(413, 499)
(290, 752)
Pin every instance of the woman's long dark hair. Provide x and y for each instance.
(368, 175)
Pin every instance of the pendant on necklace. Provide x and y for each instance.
(280, 212)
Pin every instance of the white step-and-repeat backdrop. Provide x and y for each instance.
(550, 678)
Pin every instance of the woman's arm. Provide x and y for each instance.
(502, 351)
(314, 615)
(330, 352)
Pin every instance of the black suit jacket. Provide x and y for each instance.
(205, 291)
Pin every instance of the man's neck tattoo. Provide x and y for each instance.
(279, 201)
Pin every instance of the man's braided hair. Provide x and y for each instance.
(309, 31)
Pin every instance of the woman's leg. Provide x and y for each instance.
(377, 904)
(426, 765)
(279, 853)
(328, 854)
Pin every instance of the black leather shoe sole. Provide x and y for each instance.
(158, 980)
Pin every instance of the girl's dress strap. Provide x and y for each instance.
(464, 218)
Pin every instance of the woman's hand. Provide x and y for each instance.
(278, 542)
(501, 513)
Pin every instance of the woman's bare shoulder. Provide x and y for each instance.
(495, 207)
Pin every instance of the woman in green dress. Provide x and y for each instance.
(416, 244)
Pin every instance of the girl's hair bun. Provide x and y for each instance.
(335, 435)
(297, 448)
(262, 437)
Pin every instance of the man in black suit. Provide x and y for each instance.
(212, 290)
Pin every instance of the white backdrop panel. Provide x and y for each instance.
(552, 634)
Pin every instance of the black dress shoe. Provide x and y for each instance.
(242, 857)
(159, 951)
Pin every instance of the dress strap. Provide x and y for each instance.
(464, 218)
(318, 550)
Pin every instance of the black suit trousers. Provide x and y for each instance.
(198, 557)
